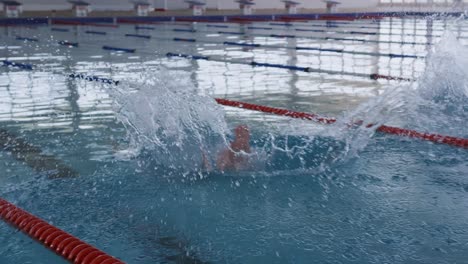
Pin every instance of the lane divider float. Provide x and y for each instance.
(262, 28)
(276, 111)
(322, 38)
(435, 138)
(20, 65)
(138, 36)
(105, 47)
(184, 30)
(67, 43)
(359, 32)
(290, 67)
(273, 35)
(352, 32)
(316, 30)
(60, 29)
(144, 28)
(230, 33)
(95, 32)
(27, 39)
(253, 45)
(217, 26)
(57, 240)
(92, 78)
(241, 44)
(185, 39)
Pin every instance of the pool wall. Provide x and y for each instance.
(224, 18)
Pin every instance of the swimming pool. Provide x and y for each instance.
(130, 181)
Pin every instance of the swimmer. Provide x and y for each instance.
(235, 157)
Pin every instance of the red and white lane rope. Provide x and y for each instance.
(62, 243)
(436, 138)
(276, 111)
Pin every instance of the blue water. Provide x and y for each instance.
(321, 195)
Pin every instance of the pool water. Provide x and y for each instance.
(318, 194)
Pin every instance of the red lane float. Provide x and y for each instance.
(292, 19)
(373, 17)
(335, 18)
(276, 111)
(241, 19)
(436, 138)
(62, 243)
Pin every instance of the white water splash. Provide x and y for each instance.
(164, 115)
(436, 103)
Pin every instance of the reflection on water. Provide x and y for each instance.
(271, 86)
(382, 208)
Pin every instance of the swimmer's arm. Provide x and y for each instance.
(224, 162)
(206, 165)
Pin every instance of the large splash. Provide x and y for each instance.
(166, 118)
(437, 102)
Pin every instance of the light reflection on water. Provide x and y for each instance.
(75, 121)
(45, 98)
